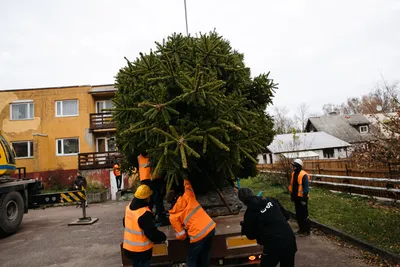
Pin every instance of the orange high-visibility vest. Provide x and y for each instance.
(144, 168)
(134, 238)
(299, 181)
(116, 169)
(188, 215)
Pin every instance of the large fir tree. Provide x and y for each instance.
(193, 106)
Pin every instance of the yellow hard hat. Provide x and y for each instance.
(143, 192)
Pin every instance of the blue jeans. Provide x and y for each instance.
(200, 252)
(137, 263)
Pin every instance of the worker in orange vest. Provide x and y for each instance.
(117, 174)
(140, 232)
(299, 189)
(156, 184)
(191, 221)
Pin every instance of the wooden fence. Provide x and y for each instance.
(343, 168)
(344, 175)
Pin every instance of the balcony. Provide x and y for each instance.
(100, 122)
(97, 160)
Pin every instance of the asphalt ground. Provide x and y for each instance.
(45, 239)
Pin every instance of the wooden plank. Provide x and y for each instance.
(358, 186)
(356, 178)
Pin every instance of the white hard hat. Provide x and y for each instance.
(298, 161)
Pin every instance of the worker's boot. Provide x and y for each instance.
(305, 229)
(307, 226)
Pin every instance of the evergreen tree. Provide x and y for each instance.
(194, 108)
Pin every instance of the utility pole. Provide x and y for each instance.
(187, 28)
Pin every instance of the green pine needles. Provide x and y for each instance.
(194, 108)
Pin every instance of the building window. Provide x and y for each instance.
(67, 108)
(23, 149)
(67, 146)
(329, 153)
(104, 144)
(364, 129)
(22, 111)
(104, 104)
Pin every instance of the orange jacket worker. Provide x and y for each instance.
(157, 185)
(140, 232)
(117, 174)
(144, 168)
(191, 221)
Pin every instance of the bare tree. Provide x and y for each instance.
(329, 108)
(384, 112)
(379, 100)
(282, 123)
(383, 99)
(302, 115)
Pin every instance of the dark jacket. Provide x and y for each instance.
(266, 221)
(80, 182)
(146, 222)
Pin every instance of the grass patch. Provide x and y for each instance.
(356, 216)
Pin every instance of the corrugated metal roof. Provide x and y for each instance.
(341, 126)
(304, 141)
(300, 154)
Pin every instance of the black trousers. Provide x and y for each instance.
(156, 199)
(302, 215)
(119, 181)
(272, 258)
(200, 252)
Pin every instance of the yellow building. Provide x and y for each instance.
(54, 128)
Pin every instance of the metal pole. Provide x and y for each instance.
(187, 28)
(84, 209)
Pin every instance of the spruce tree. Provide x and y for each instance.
(194, 108)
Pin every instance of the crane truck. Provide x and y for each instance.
(17, 195)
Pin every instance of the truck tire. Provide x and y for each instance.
(11, 212)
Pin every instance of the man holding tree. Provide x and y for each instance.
(191, 221)
(156, 184)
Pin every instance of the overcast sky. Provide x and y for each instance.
(318, 51)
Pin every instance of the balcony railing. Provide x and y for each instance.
(98, 160)
(100, 121)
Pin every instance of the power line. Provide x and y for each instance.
(187, 28)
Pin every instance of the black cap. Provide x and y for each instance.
(245, 194)
(171, 196)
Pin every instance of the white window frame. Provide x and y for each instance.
(104, 104)
(30, 156)
(106, 139)
(21, 102)
(97, 102)
(62, 147)
(364, 127)
(61, 101)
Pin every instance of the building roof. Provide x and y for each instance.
(55, 87)
(103, 88)
(305, 142)
(300, 154)
(341, 126)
